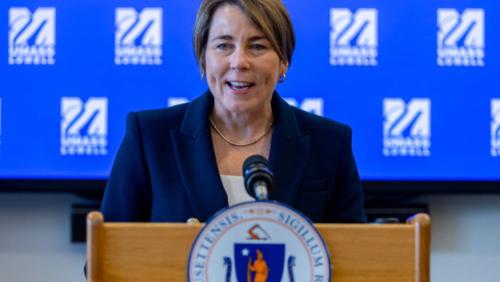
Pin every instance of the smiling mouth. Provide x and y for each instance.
(239, 85)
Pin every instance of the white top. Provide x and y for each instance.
(235, 189)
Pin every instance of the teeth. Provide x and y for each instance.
(238, 84)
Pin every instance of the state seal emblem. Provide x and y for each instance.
(262, 241)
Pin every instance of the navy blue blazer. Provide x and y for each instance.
(166, 171)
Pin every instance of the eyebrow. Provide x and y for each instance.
(258, 37)
(222, 37)
(229, 37)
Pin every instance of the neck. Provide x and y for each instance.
(242, 128)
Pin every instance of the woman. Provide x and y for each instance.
(185, 162)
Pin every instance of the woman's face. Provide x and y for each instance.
(241, 66)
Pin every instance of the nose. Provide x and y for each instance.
(240, 59)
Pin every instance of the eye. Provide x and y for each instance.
(223, 46)
(258, 46)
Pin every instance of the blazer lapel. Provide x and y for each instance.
(197, 165)
(289, 152)
(196, 160)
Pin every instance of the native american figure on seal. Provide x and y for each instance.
(259, 267)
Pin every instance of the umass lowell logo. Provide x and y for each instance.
(460, 37)
(32, 38)
(138, 36)
(259, 242)
(407, 130)
(495, 127)
(353, 37)
(84, 126)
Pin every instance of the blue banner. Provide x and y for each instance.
(416, 80)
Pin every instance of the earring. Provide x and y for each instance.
(282, 77)
(202, 76)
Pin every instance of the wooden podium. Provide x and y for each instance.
(159, 251)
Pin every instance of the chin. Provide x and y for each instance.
(238, 107)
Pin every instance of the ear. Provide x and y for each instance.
(283, 67)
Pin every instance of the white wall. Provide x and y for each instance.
(465, 238)
(35, 238)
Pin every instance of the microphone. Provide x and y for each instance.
(258, 177)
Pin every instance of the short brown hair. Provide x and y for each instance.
(270, 16)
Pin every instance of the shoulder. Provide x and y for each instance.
(188, 118)
(314, 125)
(329, 139)
(157, 121)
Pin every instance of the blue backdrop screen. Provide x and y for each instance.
(416, 80)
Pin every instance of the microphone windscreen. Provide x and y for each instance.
(254, 159)
(256, 168)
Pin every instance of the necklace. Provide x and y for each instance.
(229, 141)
